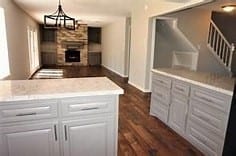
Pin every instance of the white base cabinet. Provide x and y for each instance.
(197, 113)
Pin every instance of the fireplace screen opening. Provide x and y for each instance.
(72, 55)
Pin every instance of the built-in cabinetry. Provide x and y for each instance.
(94, 46)
(84, 126)
(196, 112)
(94, 34)
(94, 58)
(160, 99)
(48, 45)
(47, 35)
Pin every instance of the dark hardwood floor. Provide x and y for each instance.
(139, 133)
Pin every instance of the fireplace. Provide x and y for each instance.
(72, 55)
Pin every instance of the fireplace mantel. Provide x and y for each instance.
(74, 44)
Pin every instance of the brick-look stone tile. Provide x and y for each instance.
(78, 35)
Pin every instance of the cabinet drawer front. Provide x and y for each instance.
(162, 94)
(212, 98)
(88, 105)
(204, 140)
(209, 117)
(32, 110)
(161, 80)
(159, 110)
(180, 87)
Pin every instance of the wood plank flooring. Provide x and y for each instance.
(139, 133)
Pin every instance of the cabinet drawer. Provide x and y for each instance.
(29, 110)
(161, 80)
(162, 94)
(180, 87)
(88, 105)
(204, 140)
(159, 110)
(214, 99)
(208, 117)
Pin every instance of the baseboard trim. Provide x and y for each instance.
(36, 70)
(124, 76)
(139, 88)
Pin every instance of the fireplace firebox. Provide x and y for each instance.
(72, 55)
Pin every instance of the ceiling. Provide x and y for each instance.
(91, 12)
(216, 5)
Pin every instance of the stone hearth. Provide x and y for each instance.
(72, 39)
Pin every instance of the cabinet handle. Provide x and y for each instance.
(180, 89)
(26, 114)
(161, 81)
(160, 95)
(65, 129)
(201, 116)
(201, 139)
(92, 108)
(55, 132)
(206, 99)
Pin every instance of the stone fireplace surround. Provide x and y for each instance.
(72, 39)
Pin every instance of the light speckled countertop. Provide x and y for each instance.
(15, 90)
(212, 81)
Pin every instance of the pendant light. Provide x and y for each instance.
(59, 19)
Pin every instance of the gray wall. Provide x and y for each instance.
(163, 48)
(194, 23)
(17, 22)
(168, 39)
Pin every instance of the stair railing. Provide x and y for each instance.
(220, 47)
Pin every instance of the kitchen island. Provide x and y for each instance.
(59, 117)
(194, 104)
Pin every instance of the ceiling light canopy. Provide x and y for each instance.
(229, 8)
(59, 19)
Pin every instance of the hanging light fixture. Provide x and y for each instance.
(59, 19)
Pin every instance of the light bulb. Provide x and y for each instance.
(229, 8)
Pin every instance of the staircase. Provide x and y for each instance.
(220, 47)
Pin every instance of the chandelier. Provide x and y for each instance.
(59, 19)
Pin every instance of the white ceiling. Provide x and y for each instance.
(92, 12)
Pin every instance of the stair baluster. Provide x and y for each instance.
(220, 47)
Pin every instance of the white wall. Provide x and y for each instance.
(114, 46)
(141, 26)
(17, 22)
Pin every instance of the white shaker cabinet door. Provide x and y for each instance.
(178, 114)
(29, 140)
(91, 137)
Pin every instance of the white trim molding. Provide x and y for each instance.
(122, 75)
(139, 88)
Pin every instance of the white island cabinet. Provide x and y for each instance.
(66, 117)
